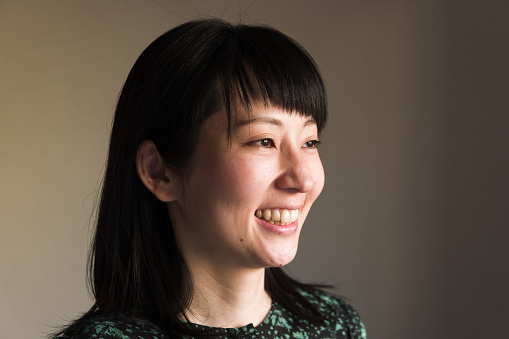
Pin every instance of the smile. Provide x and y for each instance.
(280, 217)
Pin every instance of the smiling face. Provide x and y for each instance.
(271, 171)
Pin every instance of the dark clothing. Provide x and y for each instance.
(342, 321)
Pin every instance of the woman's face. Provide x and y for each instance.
(221, 217)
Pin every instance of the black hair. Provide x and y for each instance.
(183, 77)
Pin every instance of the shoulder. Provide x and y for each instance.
(118, 326)
(341, 316)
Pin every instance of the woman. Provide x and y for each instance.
(212, 169)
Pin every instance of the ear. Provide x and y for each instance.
(154, 174)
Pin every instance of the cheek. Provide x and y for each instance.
(245, 179)
(235, 181)
(320, 179)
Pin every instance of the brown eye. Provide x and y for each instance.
(311, 144)
(266, 143)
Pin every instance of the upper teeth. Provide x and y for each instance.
(277, 216)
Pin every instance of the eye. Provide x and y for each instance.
(311, 144)
(266, 143)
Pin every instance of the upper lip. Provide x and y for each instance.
(286, 207)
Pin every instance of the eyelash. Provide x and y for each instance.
(312, 144)
(308, 144)
(261, 143)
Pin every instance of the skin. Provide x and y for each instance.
(272, 162)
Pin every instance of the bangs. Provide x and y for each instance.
(206, 66)
(259, 64)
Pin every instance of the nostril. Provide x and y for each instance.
(297, 182)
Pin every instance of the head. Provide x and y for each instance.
(181, 113)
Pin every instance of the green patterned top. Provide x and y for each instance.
(279, 323)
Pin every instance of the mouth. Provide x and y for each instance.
(279, 217)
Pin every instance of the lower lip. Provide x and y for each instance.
(282, 230)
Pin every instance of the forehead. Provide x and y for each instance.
(262, 114)
(259, 115)
(269, 116)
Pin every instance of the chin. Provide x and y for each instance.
(281, 257)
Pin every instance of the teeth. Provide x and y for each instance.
(278, 217)
(285, 216)
(267, 214)
(294, 214)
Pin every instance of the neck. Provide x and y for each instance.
(228, 298)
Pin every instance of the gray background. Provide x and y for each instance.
(413, 224)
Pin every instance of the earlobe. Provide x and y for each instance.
(153, 172)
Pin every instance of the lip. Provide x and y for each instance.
(287, 207)
(281, 230)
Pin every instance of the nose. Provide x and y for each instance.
(297, 175)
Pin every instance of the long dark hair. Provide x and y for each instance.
(183, 77)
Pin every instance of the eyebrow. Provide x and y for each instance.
(267, 120)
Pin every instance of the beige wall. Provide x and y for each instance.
(413, 225)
